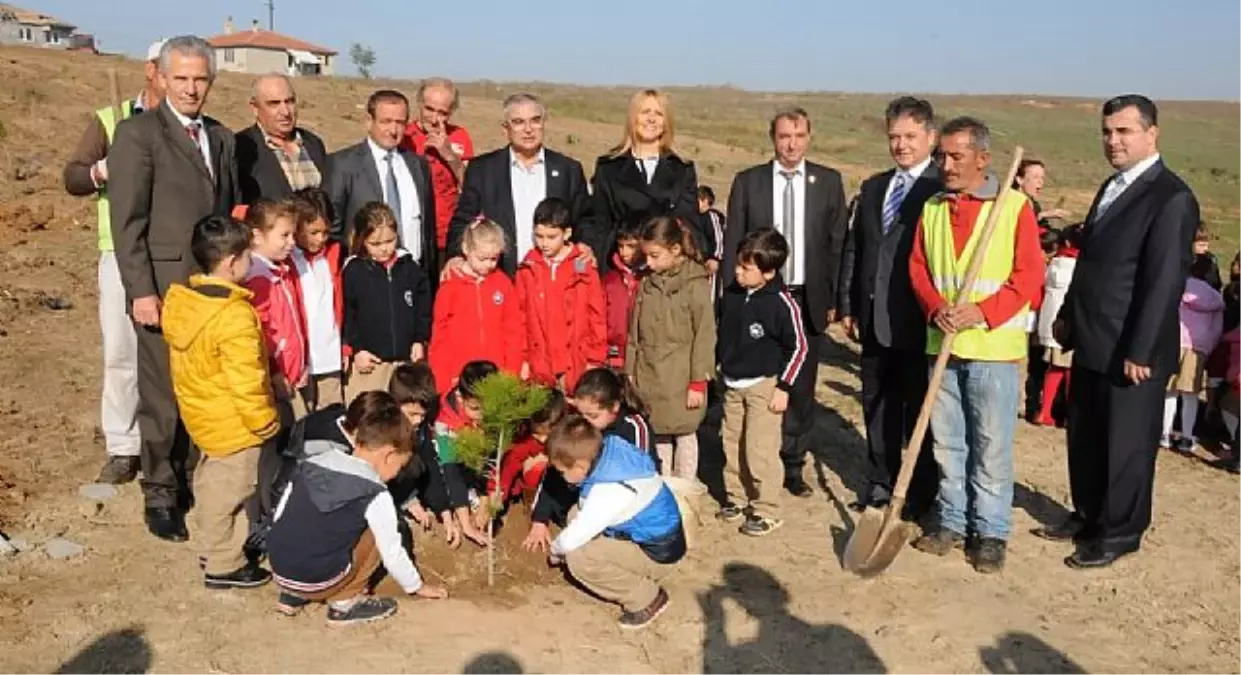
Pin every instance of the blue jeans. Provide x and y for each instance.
(973, 422)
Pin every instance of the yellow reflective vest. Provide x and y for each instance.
(107, 117)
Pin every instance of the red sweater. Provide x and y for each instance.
(620, 287)
(476, 319)
(566, 332)
(278, 300)
(514, 479)
(1025, 283)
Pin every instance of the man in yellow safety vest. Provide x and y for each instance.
(974, 417)
(86, 174)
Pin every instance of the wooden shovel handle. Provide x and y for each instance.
(910, 457)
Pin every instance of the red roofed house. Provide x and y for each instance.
(260, 52)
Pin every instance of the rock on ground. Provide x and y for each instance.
(62, 549)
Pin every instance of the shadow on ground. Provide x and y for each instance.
(785, 643)
(493, 662)
(1023, 653)
(122, 651)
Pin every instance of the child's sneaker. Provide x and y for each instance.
(250, 576)
(289, 604)
(363, 610)
(643, 617)
(730, 513)
(758, 526)
(1165, 442)
(1185, 445)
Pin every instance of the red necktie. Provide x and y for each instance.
(192, 129)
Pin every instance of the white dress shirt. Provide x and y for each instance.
(647, 166)
(318, 298)
(1115, 189)
(204, 143)
(911, 177)
(529, 188)
(410, 217)
(798, 277)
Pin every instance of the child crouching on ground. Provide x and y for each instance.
(523, 467)
(461, 408)
(219, 376)
(422, 493)
(627, 534)
(337, 523)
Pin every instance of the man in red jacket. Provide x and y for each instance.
(562, 297)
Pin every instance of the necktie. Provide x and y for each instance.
(1110, 193)
(790, 225)
(392, 197)
(892, 207)
(191, 130)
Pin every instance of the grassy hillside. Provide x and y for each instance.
(44, 97)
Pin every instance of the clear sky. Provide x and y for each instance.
(1096, 48)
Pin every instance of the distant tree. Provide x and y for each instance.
(363, 58)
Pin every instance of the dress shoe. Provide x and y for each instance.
(118, 470)
(1069, 529)
(798, 487)
(167, 524)
(1094, 555)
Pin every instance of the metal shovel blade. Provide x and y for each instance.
(878, 538)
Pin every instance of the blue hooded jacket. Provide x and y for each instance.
(619, 462)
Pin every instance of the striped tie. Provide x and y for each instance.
(892, 208)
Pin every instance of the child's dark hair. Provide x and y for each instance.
(414, 383)
(630, 227)
(263, 214)
(472, 374)
(1201, 267)
(552, 212)
(607, 388)
(766, 248)
(1049, 240)
(1202, 234)
(216, 238)
(1071, 236)
(573, 440)
(311, 204)
(374, 419)
(370, 218)
(551, 414)
(669, 231)
(705, 192)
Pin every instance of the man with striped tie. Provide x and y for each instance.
(878, 308)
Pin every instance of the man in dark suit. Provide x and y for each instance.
(169, 168)
(379, 170)
(275, 157)
(1120, 318)
(878, 307)
(506, 185)
(806, 203)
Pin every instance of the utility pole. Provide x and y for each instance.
(271, 14)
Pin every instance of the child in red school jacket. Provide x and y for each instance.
(278, 299)
(562, 297)
(477, 313)
(620, 287)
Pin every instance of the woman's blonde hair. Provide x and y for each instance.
(630, 139)
(482, 231)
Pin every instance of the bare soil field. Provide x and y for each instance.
(782, 604)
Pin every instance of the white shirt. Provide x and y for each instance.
(410, 217)
(648, 165)
(318, 297)
(911, 176)
(609, 505)
(1113, 191)
(798, 264)
(529, 188)
(204, 143)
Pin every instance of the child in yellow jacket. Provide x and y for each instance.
(219, 375)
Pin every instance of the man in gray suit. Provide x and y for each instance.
(379, 170)
(169, 168)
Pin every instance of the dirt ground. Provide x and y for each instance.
(780, 604)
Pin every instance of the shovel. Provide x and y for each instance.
(880, 534)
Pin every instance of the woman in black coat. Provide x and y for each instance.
(644, 175)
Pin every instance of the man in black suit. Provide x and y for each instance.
(275, 157)
(806, 203)
(379, 170)
(168, 168)
(506, 185)
(1120, 318)
(878, 307)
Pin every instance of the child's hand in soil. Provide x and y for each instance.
(472, 533)
(538, 539)
(482, 513)
(452, 533)
(419, 515)
(432, 592)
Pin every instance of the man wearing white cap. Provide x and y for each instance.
(86, 174)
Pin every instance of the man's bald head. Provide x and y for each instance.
(275, 105)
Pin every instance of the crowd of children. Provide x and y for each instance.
(328, 392)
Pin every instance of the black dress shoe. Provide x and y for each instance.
(1095, 555)
(167, 524)
(1069, 529)
(798, 487)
